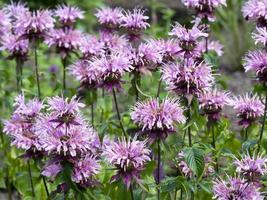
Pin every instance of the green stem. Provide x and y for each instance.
(37, 71)
(45, 185)
(263, 124)
(19, 74)
(214, 147)
(92, 114)
(158, 169)
(131, 191)
(30, 176)
(118, 113)
(159, 86)
(64, 63)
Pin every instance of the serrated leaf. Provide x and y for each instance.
(195, 160)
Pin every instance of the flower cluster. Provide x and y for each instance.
(158, 118)
(129, 158)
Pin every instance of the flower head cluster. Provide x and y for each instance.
(91, 46)
(157, 118)
(249, 108)
(191, 79)
(260, 36)
(212, 102)
(188, 39)
(235, 188)
(205, 8)
(21, 127)
(110, 17)
(34, 24)
(257, 61)
(252, 167)
(68, 14)
(129, 157)
(14, 9)
(65, 40)
(255, 10)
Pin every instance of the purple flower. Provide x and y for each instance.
(260, 36)
(68, 14)
(71, 142)
(135, 20)
(114, 42)
(249, 108)
(15, 9)
(34, 24)
(85, 73)
(65, 111)
(15, 47)
(65, 40)
(257, 61)
(52, 168)
(110, 17)
(188, 39)
(235, 188)
(22, 125)
(205, 8)
(212, 102)
(91, 46)
(191, 79)
(214, 46)
(84, 169)
(129, 158)
(112, 68)
(158, 118)
(255, 10)
(252, 167)
(5, 22)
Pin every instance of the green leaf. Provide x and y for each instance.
(170, 184)
(195, 160)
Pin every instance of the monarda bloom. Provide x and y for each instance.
(205, 8)
(71, 142)
(252, 168)
(260, 36)
(22, 125)
(16, 48)
(91, 46)
(84, 170)
(129, 158)
(157, 119)
(211, 103)
(249, 108)
(109, 17)
(192, 79)
(257, 61)
(33, 25)
(134, 22)
(67, 14)
(14, 9)
(112, 68)
(65, 40)
(214, 46)
(52, 168)
(87, 75)
(65, 112)
(5, 22)
(188, 39)
(255, 10)
(235, 188)
(114, 42)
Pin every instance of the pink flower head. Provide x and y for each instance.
(52, 169)
(71, 142)
(91, 46)
(158, 118)
(260, 36)
(113, 42)
(15, 47)
(5, 22)
(86, 74)
(135, 20)
(21, 127)
(235, 188)
(15, 9)
(129, 157)
(191, 79)
(252, 167)
(65, 40)
(212, 102)
(65, 111)
(85, 169)
(34, 24)
(188, 38)
(255, 10)
(205, 8)
(257, 61)
(67, 14)
(110, 17)
(249, 108)
(112, 68)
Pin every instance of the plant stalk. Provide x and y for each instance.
(45, 185)
(263, 124)
(30, 176)
(131, 191)
(158, 168)
(37, 71)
